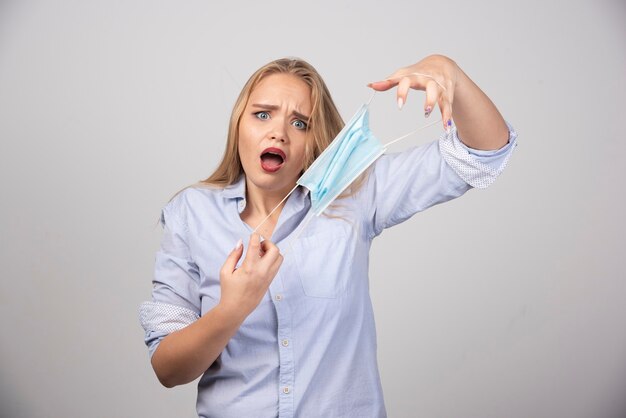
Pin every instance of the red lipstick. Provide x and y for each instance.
(272, 159)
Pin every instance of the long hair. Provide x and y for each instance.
(324, 124)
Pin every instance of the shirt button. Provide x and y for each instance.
(286, 390)
(279, 297)
(285, 343)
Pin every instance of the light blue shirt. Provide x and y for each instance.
(309, 348)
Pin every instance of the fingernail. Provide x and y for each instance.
(449, 122)
(400, 102)
(427, 111)
(261, 238)
(239, 244)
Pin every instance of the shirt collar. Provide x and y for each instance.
(237, 190)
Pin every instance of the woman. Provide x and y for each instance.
(294, 335)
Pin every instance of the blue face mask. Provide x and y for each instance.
(353, 150)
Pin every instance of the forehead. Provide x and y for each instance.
(283, 90)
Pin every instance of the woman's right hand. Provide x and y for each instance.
(243, 288)
(185, 354)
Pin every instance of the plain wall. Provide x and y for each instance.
(508, 302)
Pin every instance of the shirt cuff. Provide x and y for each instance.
(477, 168)
(160, 319)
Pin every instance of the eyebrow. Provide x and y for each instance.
(274, 107)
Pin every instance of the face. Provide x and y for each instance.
(273, 133)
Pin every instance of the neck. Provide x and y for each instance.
(260, 202)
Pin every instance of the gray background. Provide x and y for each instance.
(508, 302)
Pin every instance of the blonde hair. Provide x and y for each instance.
(324, 124)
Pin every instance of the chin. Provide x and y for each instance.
(271, 183)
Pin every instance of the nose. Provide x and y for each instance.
(278, 137)
(278, 132)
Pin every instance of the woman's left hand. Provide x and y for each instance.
(478, 122)
(436, 75)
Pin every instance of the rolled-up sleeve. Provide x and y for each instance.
(408, 182)
(477, 168)
(175, 293)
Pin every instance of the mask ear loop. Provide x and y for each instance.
(371, 98)
(274, 210)
(411, 133)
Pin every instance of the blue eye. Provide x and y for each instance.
(263, 115)
(298, 124)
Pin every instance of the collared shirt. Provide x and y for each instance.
(309, 348)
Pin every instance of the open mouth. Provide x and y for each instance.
(272, 159)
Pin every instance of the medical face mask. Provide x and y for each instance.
(350, 153)
(353, 150)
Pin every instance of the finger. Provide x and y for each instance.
(254, 247)
(271, 252)
(271, 259)
(403, 91)
(382, 85)
(449, 95)
(432, 97)
(389, 82)
(446, 113)
(233, 258)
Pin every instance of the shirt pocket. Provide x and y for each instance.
(324, 262)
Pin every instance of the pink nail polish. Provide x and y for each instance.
(400, 102)
(239, 244)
